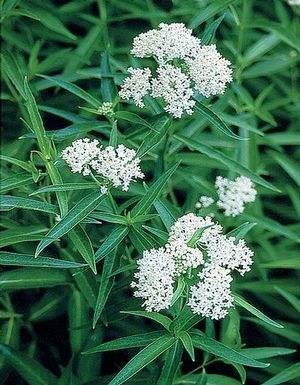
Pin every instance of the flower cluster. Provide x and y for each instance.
(118, 166)
(234, 194)
(295, 3)
(183, 65)
(106, 109)
(194, 243)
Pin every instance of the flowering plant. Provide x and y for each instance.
(150, 202)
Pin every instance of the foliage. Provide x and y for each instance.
(68, 254)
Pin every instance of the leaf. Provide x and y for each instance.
(29, 278)
(30, 370)
(157, 133)
(83, 244)
(66, 187)
(251, 309)
(211, 10)
(153, 193)
(289, 166)
(12, 70)
(240, 232)
(17, 180)
(210, 31)
(9, 202)
(215, 120)
(74, 89)
(185, 320)
(201, 341)
(110, 218)
(107, 81)
(187, 343)
(261, 353)
(134, 341)
(111, 242)
(132, 118)
(171, 365)
(288, 374)
(143, 358)
(157, 317)
(15, 259)
(113, 137)
(228, 162)
(80, 211)
(78, 314)
(24, 165)
(105, 287)
(291, 298)
(285, 34)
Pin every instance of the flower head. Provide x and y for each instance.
(210, 71)
(212, 297)
(155, 278)
(234, 194)
(184, 257)
(79, 155)
(295, 3)
(204, 201)
(168, 42)
(120, 165)
(106, 109)
(175, 88)
(136, 86)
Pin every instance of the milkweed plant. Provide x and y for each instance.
(150, 203)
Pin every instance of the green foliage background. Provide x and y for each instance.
(61, 56)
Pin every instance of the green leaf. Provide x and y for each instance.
(251, 309)
(201, 341)
(185, 320)
(110, 218)
(171, 364)
(157, 133)
(187, 343)
(9, 202)
(80, 211)
(228, 162)
(74, 89)
(132, 118)
(17, 180)
(107, 81)
(111, 242)
(78, 313)
(30, 370)
(15, 259)
(153, 193)
(157, 317)
(289, 166)
(83, 244)
(209, 11)
(30, 278)
(215, 120)
(291, 298)
(288, 374)
(285, 34)
(66, 187)
(105, 287)
(24, 165)
(261, 353)
(134, 341)
(143, 358)
(210, 31)
(113, 137)
(240, 231)
(12, 70)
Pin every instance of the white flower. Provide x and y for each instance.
(210, 71)
(155, 280)
(186, 226)
(212, 297)
(234, 194)
(204, 201)
(294, 3)
(136, 86)
(185, 257)
(168, 42)
(106, 109)
(120, 165)
(175, 88)
(79, 155)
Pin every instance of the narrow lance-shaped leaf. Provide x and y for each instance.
(80, 211)
(111, 242)
(15, 259)
(153, 193)
(228, 162)
(201, 341)
(243, 303)
(30, 370)
(157, 317)
(134, 341)
(8, 202)
(143, 358)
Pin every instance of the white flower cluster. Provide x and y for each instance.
(183, 64)
(119, 165)
(204, 201)
(294, 3)
(211, 296)
(234, 194)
